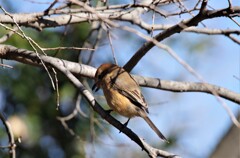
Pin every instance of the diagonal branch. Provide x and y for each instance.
(202, 15)
(61, 65)
(105, 115)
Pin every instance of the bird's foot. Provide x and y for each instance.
(124, 125)
(109, 111)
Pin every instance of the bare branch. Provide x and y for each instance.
(67, 48)
(31, 42)
(8, 35)
(111, 45)
(29, 57)
(97, 40)
(112, 16)
(203, 14)
(233, 39)
(157, 152)
(7, 66)
(12, 144)
(65, 17)
(154, 41)
(230, 3)
(96, 107)
(78, 106)
(50, 7)
(9, 52)
(176, 86)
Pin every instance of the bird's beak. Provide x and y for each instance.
(95, 87)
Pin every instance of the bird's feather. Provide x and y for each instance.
(129, 89)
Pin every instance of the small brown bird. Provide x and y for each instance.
(123, 93)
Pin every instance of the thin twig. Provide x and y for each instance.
(235, 21)
(230, 4)
(233, 39)
(8, 35)
(111, 45)
(12, 144)
(64, 120)
(31, 42)
(67, 48)
(95, 44)
(57, 89)
(78, 106)
(5, 65)
(153, 21)
(50, 7)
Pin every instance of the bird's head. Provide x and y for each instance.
(101, 72)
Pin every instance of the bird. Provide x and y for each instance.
(123, 94)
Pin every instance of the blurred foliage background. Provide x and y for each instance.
(29, 96)
(28, 100)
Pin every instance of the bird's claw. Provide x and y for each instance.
(124, 125)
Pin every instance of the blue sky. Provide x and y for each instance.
(199, 118)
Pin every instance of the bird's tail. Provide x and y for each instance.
(156, 130)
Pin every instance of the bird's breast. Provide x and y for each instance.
(119, 102)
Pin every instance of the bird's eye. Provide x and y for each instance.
(100, 76)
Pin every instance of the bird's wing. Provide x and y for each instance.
(130, 89)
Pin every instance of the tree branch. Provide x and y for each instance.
(12, 144)
(57, 18)
(62, 66)
(202, 15)
(128, 13)
(30, 57)
(176, 86)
